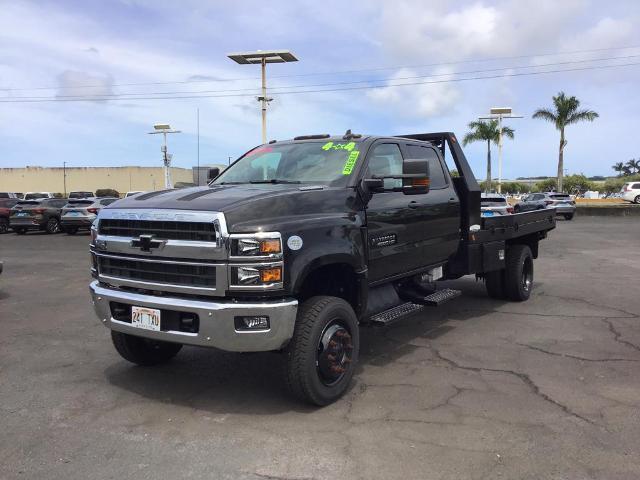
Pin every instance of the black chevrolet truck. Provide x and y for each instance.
(296, 245)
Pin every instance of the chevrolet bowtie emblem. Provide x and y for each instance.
(147, 242)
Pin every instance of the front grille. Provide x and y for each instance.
(203, 276)
(164, 230)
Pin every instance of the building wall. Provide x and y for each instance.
(122, 179)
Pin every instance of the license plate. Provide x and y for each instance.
(73, 214)
(145, 318)
(21, 214)
(488, 214)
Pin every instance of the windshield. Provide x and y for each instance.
(493, 200)
(327, 163)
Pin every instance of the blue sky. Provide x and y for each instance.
(58, 48)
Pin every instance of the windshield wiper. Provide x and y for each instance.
(274, 180)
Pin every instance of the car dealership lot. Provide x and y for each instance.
(478, 388)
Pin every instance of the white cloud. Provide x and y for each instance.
(412, 101)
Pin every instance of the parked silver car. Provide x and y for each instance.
(562, 202)
(80, 213)
(492, 204)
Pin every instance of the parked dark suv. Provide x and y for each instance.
(40, 214)
(6, 204)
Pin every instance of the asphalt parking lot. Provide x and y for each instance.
(546, 389)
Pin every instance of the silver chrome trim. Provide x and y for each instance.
(217, 326)
(157, 260)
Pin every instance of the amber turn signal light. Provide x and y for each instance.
(271, 245)
(271, 275)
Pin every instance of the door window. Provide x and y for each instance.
(437, 175)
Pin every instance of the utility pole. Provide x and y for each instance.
(164, 129)
(198, 128)
(263, 57)
(500, 113)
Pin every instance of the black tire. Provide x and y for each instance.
(71, 230)
(20, 231)
(519, 273)
(326, 329)
(516, 209)
(637, 199)
(53, 225)
(568, 216)
(495, 284)
(144, 351)
(4, 225)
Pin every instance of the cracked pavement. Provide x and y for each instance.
(476, 389)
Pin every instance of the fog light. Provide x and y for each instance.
(256, 322)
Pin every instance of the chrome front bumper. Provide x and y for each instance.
(216, 318)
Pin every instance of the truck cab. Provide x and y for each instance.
(296, 245)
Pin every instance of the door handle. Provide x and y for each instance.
(414, 204)
(452, 200)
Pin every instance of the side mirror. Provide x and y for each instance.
(212, 173)
(415, 176)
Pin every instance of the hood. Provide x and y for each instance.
(247, 206)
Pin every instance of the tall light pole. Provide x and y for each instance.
(164, 129)
(64, 177)
(263, 57)
(500, 113)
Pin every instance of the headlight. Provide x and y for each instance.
(266, 245)
(94, 231)
(262, 277)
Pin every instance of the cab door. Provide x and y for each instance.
(440, 209)
(395, 221)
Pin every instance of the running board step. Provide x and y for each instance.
(430, 299)
(439, 297)
(396, 313)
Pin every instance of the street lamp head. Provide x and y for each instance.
(501, 111)
(266, 56)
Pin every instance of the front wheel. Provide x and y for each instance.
(4, 225)
(143, 351)
(568, 216)
(71, 230)
(323, 352)
(20, 231)
(637, 199)
(518, 273)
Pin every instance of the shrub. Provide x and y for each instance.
(107, 192)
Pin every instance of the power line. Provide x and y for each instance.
(335, 72)
(362, 87)
(355, 82)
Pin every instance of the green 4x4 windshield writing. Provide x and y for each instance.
(309, 162)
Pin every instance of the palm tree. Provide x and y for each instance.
(633, 166)
(618, 167)
(486, 132)
(565, 113)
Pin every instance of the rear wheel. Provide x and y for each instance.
(494, 282)
(518, 274)
(568, 216)
(20, 231)
(4, 225)
(53, 225)
(144, 351)
(71, 230)
(323, 351)
(637, 199)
